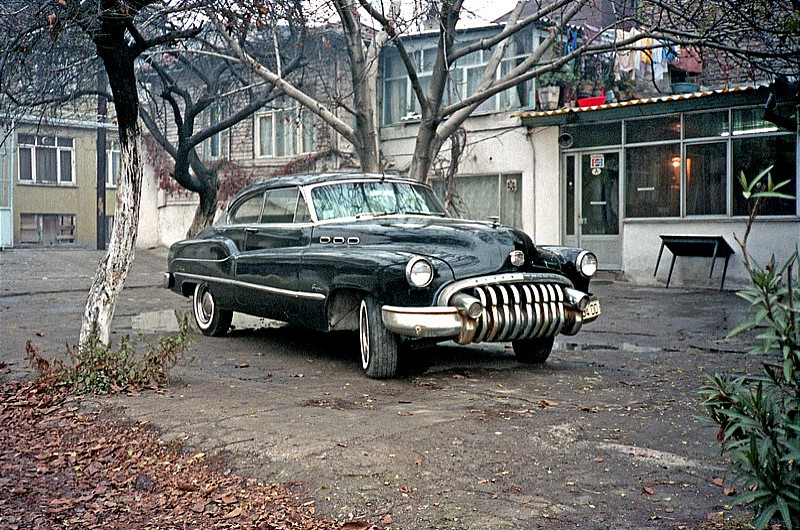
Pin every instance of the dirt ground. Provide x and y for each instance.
(609, 433)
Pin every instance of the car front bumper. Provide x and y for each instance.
(521, 312)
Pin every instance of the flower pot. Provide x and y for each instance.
(684, 88)
(548, 97)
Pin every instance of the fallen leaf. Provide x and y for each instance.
(599, 459)
(243, 365)
(356, 525)
(386, 519)
(730, 490)
(235, 513)
(648, 490)
(717, 481)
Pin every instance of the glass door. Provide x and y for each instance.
(592, 205)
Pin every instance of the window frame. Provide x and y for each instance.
(218, 145)
(299, 116)
(731, 181)
(113, 156)
(458, 82)
(59, 152)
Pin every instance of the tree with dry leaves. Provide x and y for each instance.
(738, 36)
(52, 53)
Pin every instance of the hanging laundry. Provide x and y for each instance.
(626, 61)
(661, 54)
(571, 44)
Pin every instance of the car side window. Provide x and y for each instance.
(280, 205)
(302, 214)
(248, 211)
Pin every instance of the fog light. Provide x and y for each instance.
(517, 258)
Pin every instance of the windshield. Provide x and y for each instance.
(353, 199)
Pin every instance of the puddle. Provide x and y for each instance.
(635, 348)
(625, 347)
(166, 321)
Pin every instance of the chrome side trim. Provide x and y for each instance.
(264, 288)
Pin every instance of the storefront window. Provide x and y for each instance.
(653, 129)
(706, 179)
(598, 134)
(706, 124)
(653, 184)
(754, 154)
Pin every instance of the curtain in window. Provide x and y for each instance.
(653, 181)
(706, 179)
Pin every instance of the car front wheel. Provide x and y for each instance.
(378, 345)
(210, 318)
(533, 351)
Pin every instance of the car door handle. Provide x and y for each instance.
(251, 230)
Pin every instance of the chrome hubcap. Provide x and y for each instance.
(203, 306)
(363, 334)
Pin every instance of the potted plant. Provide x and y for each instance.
(549, 87)
(624, 88)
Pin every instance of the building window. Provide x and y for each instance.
(112, 163)
(752, 155)
(689, 164)
(217, 145)
(482, 197)
(47, 229)
(46, 159)
(400, 101)
(706, 179)
(285, 132)
(653, 184)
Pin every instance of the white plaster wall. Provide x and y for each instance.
(175, 216)
(545, 200)
(641, 244)
(148, 236)
(162, 220)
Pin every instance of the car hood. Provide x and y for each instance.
(470, 248)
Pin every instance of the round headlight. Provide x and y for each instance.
(419, 272)
(587, 263)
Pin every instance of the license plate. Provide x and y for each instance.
(592, 310)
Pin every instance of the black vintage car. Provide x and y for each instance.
(378, 254)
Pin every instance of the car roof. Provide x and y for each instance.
(317, 178)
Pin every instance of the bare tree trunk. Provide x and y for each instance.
(206, 210)
(118, 59)
(423, 150)
(113, 268)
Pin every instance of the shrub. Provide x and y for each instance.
(759, 416)
(98, 368)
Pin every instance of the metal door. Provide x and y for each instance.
(591, 209)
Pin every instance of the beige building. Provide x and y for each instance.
(48, 184)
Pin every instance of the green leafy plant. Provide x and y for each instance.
(98, 368)
(759, 416)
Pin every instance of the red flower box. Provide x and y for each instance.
(591, 102)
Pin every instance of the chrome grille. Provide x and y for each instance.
(516, 311)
